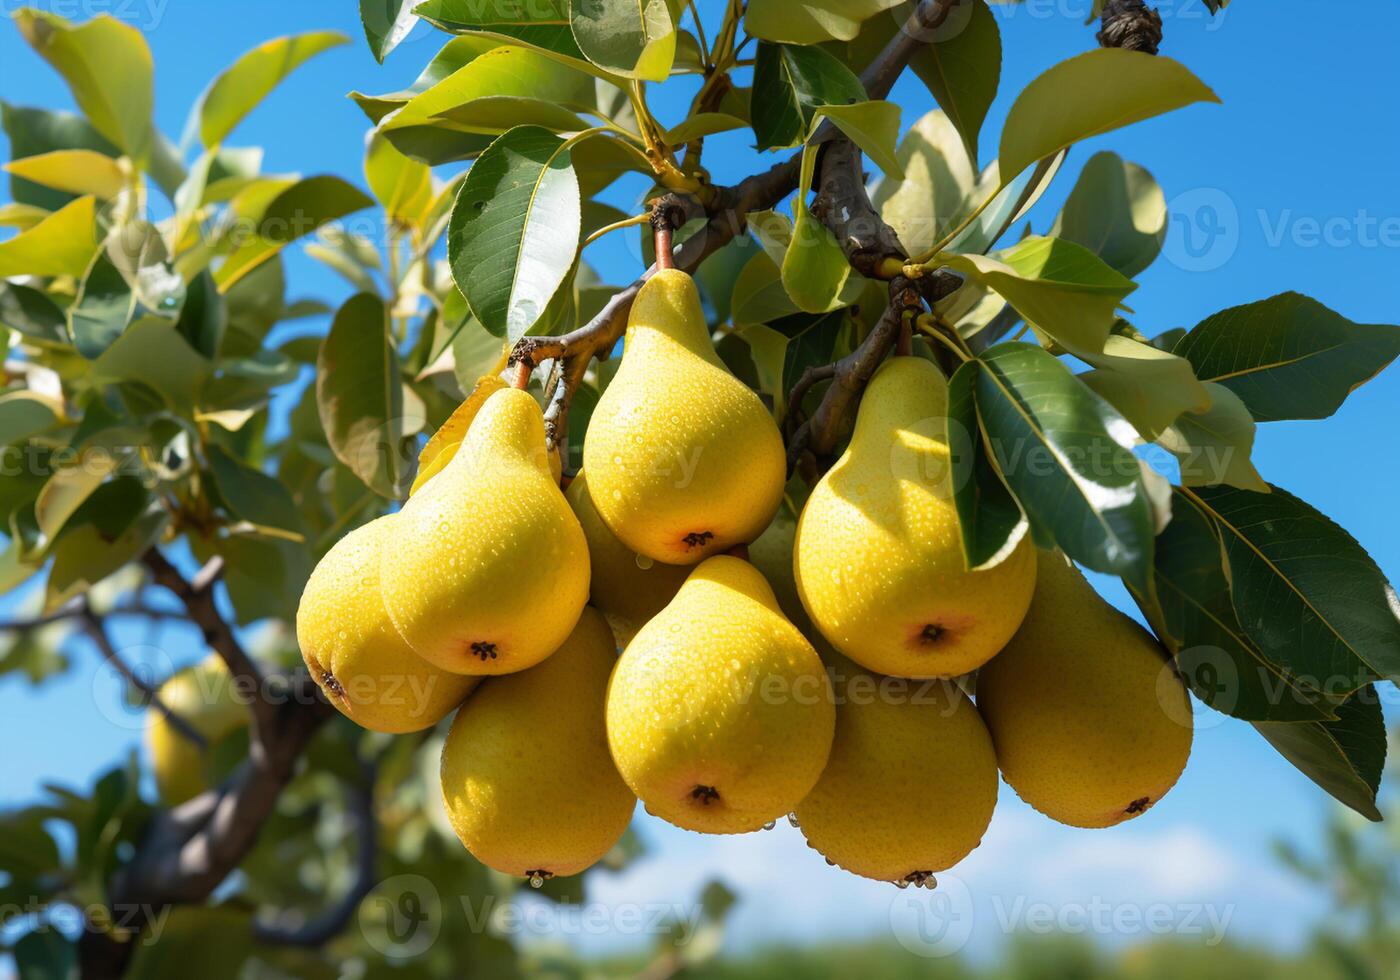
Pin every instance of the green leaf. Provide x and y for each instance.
(1214, 446)
(1289, 357)
(108, 67)
(24, 414)
(402, 185)
(872, 126)
(1067, 456)
(501, 87)
(1061, 288)
(32, 313)
(543, 24)
(359, 394)
(153, 353)
(989, 517)
(297, 209)
(701, 125)
(632, 38)
(61, 245)
(106, 304)
(37, 131)
(1117, 211)
(75, 172)
(86, 554)
(251, 495)
(66, 490)
(1345, 757)
(204, 317)
(1219, 662)
(1305, 591)
(789, 84)
(810, 21)
(309, 204)
(386, 24)
(1091, 94)
(1151, 388)
(1009, 203)
(934, 193)
(515, 227)
(962, 68)
(814, 268)
(46, 954)
(251, 78)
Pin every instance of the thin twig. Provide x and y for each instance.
(93, 626)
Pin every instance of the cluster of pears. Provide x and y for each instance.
(753, 683)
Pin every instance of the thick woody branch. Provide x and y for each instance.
(849, 376)
(918, 31)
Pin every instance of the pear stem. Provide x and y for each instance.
(904, 346)
(665, 218)
(520, 374)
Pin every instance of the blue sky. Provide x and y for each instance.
(1297, 170)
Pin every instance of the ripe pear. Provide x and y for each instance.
(684, 460)
(527, 780)
(879, 559)
(487, 571)
(911, 783)
(353, 651)
(720, 714)
(1091, 724)
(202, 695)
(628, 588)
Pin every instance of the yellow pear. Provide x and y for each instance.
(879, 559)
(911, 783)
(203, 696)
(627, 587)
(354, 652)
(1091, 724)
(720, 713)
(771, 554)
(487, 570)
(683, 459)
(526, 776)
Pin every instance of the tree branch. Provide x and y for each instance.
(93, 626)
(849, 376)
(322, 928)
(727, 210)
(197, 596)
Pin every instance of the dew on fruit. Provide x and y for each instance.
(901, 884)
(792, 820)
(444, 527)
(770, 825)
(830, 863)
(617, 460)
(644, 562)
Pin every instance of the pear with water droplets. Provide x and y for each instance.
(683, 459)
(487, 569)
(720, 713)
(1092, 725)
(629, 588)
(366, 669)
(911, 784)
(527, 780)
(879, 558)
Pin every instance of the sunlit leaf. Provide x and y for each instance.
(250, 79)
